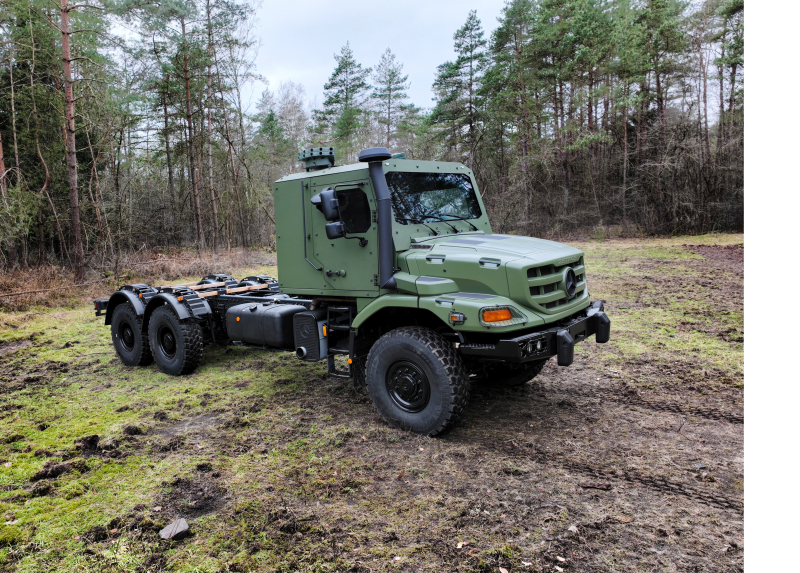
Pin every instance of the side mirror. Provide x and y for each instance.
(335, 230)
(327, 203)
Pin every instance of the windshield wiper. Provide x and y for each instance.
(457, 218)
(440, 218)
(416, 222)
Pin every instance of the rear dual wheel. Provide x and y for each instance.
(177, 346)
(132, 346)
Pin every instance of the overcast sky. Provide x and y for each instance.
(299, 38)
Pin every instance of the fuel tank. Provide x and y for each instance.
(263, 324)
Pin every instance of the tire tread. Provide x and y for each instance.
(457, 381)
(146, 356)
(192, 334)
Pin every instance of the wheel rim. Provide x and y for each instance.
(127, 337)
(408, 386)
(166, 341)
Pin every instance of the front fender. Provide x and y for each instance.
(470, 305)
(386, 301)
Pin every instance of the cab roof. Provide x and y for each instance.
(389, 165)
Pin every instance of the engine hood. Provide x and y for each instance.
(546, 277)
(507, 246)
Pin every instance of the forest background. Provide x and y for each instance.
(594, 116)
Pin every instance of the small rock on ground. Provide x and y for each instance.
(178, 529)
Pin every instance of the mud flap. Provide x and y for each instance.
(566, 347)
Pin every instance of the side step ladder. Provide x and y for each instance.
(336, 323)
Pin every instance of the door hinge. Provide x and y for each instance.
(375, 216)
(375, 280)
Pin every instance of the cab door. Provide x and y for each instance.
(350, 263)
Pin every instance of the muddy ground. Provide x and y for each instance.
(629, 460)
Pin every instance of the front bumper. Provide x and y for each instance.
(556, 341)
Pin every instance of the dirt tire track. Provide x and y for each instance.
(674, 407)
(657, 483)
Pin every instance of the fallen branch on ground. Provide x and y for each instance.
(51, 289)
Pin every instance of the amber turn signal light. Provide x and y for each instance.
(497, 315)
(237, 319)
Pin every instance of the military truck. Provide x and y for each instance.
(391, 265)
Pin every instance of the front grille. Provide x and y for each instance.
(545, 284)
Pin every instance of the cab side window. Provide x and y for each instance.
(354, 210)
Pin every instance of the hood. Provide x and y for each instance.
(532, 272)
(506, 246)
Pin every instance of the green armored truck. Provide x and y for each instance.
(392, 265)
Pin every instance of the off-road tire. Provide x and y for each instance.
(132, 346)
(510, 375)
(448, 382)
(186, 351)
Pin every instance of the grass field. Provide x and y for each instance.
(629, 460)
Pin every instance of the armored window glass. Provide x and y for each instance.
(430, 197)
(354, 210)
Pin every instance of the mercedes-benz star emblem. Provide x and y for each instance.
(570, 283)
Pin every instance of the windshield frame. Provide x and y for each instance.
(416, 212)
(404, 235)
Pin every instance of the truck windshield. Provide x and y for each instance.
(430, 197)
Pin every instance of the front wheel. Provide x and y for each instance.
(416, 380)
(177, 346)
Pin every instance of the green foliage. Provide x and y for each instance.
(574, 113)
(343, 110)
(458, 90)
(390, 92)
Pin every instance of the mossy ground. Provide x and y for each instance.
(279, 468)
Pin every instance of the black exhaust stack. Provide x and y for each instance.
(374, 157)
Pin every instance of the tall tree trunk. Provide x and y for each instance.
(14, 120)
(704, 76)
(229, 139)
(389, 120)
(589, 111)
(625, 163)
(526, 126)
(176, 233)
(201, 241)
(40, 229)
(3, 175)
(211, 190)
(721, 71)
(72, 165)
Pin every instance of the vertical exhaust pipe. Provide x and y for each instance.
(375, 156)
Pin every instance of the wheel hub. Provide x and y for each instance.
(408, 386)
(128, 339)
(166, 340)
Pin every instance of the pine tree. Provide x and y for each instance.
(344, 107)
(458, 86)
(390, 92)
